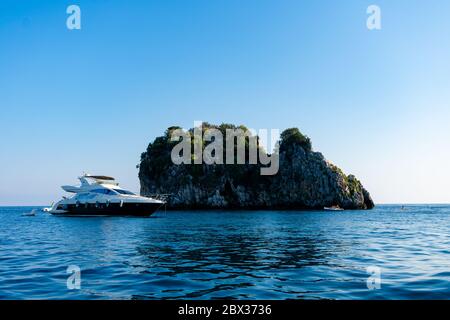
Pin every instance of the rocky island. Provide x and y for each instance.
(305, 179)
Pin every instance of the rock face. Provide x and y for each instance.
(305, 180)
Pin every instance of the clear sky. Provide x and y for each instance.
(376, 103)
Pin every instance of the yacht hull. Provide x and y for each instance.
(112, 209)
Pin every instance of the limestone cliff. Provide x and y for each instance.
(305, 180)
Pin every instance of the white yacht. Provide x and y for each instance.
(101, 195)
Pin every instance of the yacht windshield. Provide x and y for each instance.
(121, 191)
(103, 191)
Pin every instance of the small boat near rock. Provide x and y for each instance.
(333, 208)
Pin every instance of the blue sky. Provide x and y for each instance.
(376, 103)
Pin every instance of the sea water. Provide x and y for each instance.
(391, 252)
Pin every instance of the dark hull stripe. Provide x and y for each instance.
(113, 209)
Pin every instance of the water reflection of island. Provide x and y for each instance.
(236, 261)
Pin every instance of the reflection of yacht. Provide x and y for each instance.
(101, 195)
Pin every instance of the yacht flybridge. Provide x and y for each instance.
(101, 195)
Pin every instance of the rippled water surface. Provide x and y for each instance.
(210, 255)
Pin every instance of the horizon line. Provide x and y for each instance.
(376, 204)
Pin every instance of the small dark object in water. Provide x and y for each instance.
(30, 214)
